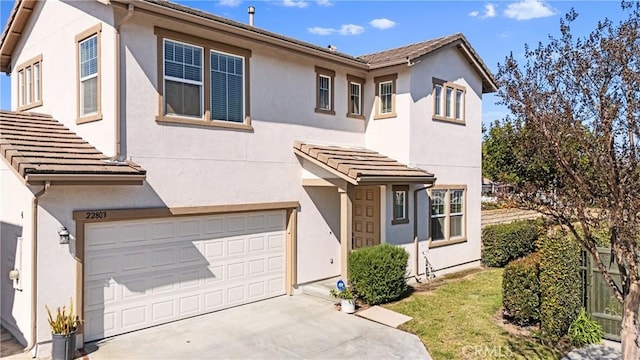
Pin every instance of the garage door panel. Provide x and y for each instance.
(147, 272)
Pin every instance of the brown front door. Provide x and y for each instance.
(366, 216)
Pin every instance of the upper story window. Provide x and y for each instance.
(448, 213)
(354, 100)
(385, 102)
(30, 83)
(202, 82)
(227, 87)
(324, 90)
(183, 79)
(88, 49)
(400, 204)
(448, 101)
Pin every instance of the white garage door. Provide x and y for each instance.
(148, 272)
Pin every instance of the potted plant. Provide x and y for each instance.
(347, 300)
(64, 325)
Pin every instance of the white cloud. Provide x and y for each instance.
(324, 2)
(488, 12)
(295, 3)
(229, 3)
(347, 29)
(382, 23)
(351, 29)
(321, 31)
(528, 9)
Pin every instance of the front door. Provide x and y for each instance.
(366, 216)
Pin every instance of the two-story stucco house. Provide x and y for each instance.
(197, 163)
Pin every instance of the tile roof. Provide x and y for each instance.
(254, 29)
(359, 165)
(41, 149)
(413, 51)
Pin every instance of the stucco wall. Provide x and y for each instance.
(451, 151)
(15, 222)
(51, 32)
(191, 165)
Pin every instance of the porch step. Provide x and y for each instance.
(8, 344)
(320, 289)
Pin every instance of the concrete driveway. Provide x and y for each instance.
(286, 327)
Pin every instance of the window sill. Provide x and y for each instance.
(385, 116)
(449, 120)
(204, 123)
(326, 112)
(440, 243)
(353, 116)
(29, 106)
(88, 119)
(399, 221)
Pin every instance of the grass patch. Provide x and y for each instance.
(457, 320)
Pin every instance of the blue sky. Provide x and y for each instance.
(494, 28)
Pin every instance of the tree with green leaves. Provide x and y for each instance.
(578, 104)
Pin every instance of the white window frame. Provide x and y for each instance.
(326, 89)
(383, 96)
(91, 76)
(82, 117)
(403, 217)
(200, 83)
(449, 105)
(29, 84)
(355, 98)
(243, 86)
(448, 239)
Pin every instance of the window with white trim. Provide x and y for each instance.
(448, 213)
(183, 79)
(202, 82)
(448, 101)
(400, 204)
(324, 90)
(385, 101)
(354, 97)
(89, 76)
(227, 87)
(29, 84)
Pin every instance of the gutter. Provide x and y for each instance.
(117, 148)
(416, 263)
(34, 265)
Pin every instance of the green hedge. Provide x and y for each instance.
(503, 243)
(377, 273)
(521, 290)
(560, 284)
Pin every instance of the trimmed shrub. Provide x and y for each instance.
(560, 284)
(584, 331)
(503, 243)
(377, 273)
(521, 290)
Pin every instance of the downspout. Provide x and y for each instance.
(416, 260)
(117, 151)
(34, 264)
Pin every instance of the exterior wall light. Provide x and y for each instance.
(64, 235)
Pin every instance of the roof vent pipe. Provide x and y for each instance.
(251, 10)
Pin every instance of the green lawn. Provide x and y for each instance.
(456, 320)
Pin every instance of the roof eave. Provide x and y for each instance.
(18, 18)
(85, 179)
(246, 33)
(396, 179)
